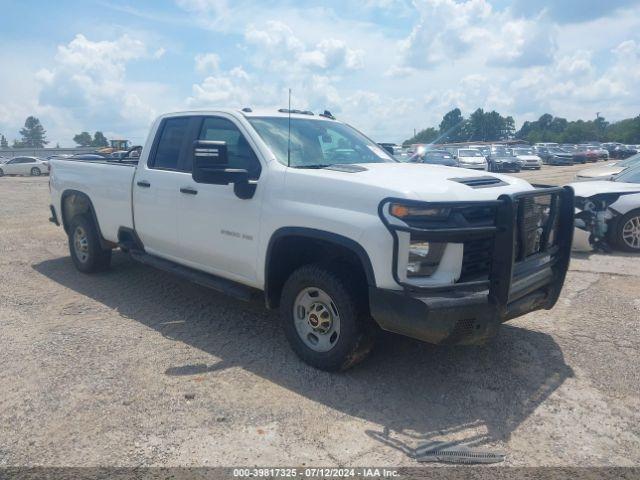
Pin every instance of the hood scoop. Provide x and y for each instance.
(347, 168)
(485, 181)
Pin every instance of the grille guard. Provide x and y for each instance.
(512, 275)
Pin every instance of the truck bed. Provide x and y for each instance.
(108, 185)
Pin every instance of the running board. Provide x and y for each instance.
(229, 287)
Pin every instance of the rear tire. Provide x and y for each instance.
(35, 172)
(325, 317)
(625, 232)
(84, 246)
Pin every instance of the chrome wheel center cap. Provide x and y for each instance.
(319, 318)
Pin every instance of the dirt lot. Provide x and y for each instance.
(135, 367)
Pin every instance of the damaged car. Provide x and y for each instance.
(607, 213)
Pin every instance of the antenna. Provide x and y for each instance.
(289, 136)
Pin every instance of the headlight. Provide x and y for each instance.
(424, 258)
(404, 212)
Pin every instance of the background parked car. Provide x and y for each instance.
(501, 159)
(435, 157)
(24, 166)
(528, 158)
(584, 154)
(471, 158)
(607, 172)
(622, 152)
(87, 156)
(554, 156)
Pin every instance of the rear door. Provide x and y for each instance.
(218, 232)
(156, 189)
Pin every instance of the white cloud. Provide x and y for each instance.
(207, 62)
(87, 86)
(448, 30)
(277, 47)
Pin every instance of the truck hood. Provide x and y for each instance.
(587, 189)
(405, 180)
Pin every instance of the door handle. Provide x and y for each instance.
(189, 191)
(143, 184)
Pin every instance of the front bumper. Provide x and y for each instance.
(508, 165)
(519, 280)
(473, 166)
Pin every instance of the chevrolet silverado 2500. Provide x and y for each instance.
(319, 221)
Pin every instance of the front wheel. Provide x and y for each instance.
(84, 245)
(35, 172)
(325, 317)
(626, 232)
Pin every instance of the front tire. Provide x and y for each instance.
(325, 317)
(626, 232)
(84, 246)
(35, 172)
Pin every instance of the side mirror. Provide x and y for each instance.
(211, 162)
(211, 166)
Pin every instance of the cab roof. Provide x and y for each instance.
(251, 113)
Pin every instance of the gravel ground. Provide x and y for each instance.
(134, 367)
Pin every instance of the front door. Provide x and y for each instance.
(217, 231)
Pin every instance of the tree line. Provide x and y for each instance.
(491, 126)
(33, 135)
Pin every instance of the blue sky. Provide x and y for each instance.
(385, 66)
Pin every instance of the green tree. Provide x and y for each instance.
(451, 125)
(428, 135)
(3, 142)
(99, 140)
(83, 139)
(33, 134)
(624, 131)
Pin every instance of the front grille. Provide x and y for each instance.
(534, 231)
(476, 259)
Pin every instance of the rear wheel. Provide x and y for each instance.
(35, 172)
(84, 245)
(626, 232)
(325, 317)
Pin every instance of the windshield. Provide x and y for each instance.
(630, 162)
(557, 150)
(317, 143)
(436, 154)
(630, 175)
(469, 153)
(524, 151)
(501, 152)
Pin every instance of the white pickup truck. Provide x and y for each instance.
(315, 218)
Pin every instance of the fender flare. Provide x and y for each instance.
(315, 234)
(65, 222)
